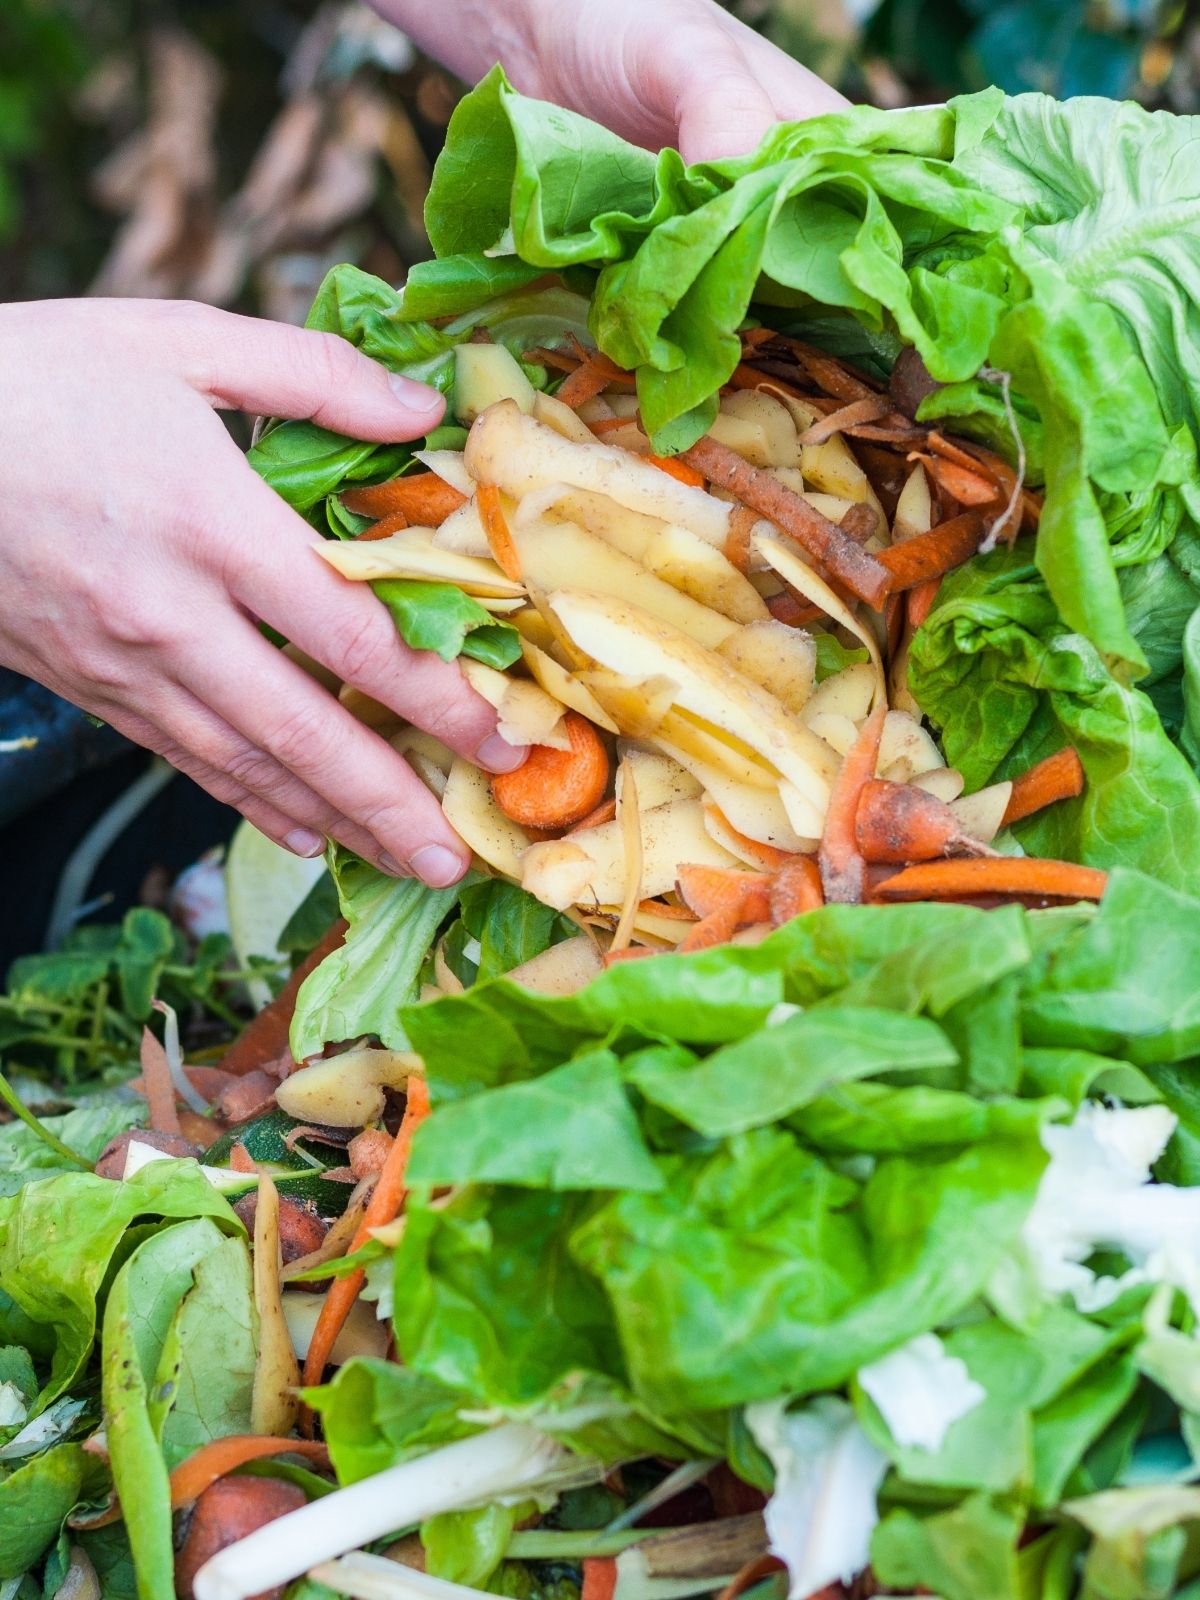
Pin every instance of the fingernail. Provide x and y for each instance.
(498, 755)
(304, 842)
(418, 397)
(436, 866)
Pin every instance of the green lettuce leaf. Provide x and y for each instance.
(759, 1270)
(58, 1240)
(572, 1128)
(35, 1501)
(362, 986)
(767, 1075)
(376, 1414)
(442, 618)
(86, 1129)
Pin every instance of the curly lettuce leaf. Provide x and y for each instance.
(895, 220)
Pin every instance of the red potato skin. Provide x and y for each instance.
(301, 1231)
(112, 1158)
(226, 1512)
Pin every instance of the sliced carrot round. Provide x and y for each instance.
(555, 788)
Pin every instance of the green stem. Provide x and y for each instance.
(571, 1544)
(9, 1095)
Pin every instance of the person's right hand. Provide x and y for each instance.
(137, 548)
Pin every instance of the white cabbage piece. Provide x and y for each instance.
(827, 1471)
(1096, 1194)
(920, 1390)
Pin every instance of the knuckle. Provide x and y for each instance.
(366, 649)
(254, 769)
(305, 736)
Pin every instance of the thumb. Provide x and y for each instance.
(723, 112)
(281, 371)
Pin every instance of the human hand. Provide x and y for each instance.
(137, 548)
(658, 72)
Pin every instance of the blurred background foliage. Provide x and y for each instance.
(231, 149)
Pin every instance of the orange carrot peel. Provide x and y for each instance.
(843, 870)
(383, 1206)
(795, 889)
(1027, 877)
(1058, 777)
(862, 573)
(931, 555)
(499, 535)
(423, 498)
(221, 1456)
(706, 890)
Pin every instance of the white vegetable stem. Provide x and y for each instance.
(367, 1577)
(467, 1473)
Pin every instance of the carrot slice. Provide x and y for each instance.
(1058, 777)
(384, 1205)
(555, 788)
(222, 1456)
(795, 889)
(843, 870)
(931, 555)
(499, 536)
(423, 497)
(862, 573)
(898, 823)
(1004, 875)
(160, 1086)
(394, 522)
(675, 468)
(266, 1037)
(717, 928)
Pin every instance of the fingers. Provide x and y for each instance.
(280, 371)
(279, 577)
(297, 742)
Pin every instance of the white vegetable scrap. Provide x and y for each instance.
(920, 1391)
(13, 1408)
(827, 1471)
(470, 1472)
(1096, 1194)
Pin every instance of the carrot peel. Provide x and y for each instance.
(795, 889)
(424, 499)
(222, 1456)
(499, 535)
(1058, 777)
(843, 870)
(898, 823)
(1028, 876)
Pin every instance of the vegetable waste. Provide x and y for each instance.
(775, 1169)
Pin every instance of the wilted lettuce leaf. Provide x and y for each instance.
(36, 1499)
(86, 1129)
(57, 1240)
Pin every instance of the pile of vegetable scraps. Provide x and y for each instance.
(775, 1170)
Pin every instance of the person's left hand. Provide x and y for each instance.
(658, 72)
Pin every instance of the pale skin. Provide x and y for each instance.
(137, 547)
